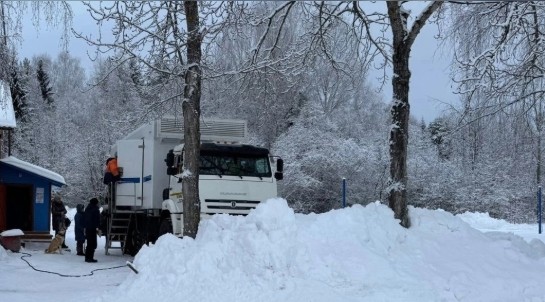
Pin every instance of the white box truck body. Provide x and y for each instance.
(234, 177)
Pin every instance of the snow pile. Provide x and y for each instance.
(353, 254)
(531, 247)
(3, 253)
(11, 233)
(483, 221)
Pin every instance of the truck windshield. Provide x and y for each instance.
(234, 165)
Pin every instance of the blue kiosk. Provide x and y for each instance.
(25, 196)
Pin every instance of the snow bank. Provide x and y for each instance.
(352, 254)
(483, 221)
(11, 233)
(3, 253)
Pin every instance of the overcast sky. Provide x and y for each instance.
(430, 81)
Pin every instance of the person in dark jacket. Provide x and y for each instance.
(79, 229)
(58, 211)
(92, 224)
(104, 216)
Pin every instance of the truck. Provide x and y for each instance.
(234, 177)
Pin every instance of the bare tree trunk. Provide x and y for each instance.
(403, 40)
(399, 133)
(192, 112)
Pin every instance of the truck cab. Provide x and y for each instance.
(233, 179)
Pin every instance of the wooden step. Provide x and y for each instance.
(117, 234)
(38, 236)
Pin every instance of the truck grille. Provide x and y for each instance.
(230, 205)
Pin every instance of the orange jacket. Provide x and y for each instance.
(111, 166)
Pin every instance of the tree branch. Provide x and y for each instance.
(421, 21)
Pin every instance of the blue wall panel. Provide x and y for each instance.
(41, 198)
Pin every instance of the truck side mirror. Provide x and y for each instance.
(280, 165)
(170, 163)
(170, 158)
(279, 175)
(171, 171)
(166, 193)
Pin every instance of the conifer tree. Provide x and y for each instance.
(18, 93)
(43, 79)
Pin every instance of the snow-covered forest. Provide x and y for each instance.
(302, 81)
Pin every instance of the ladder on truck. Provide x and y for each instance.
(119, 220)
(118, 225)
(129, 224)
(118, 230)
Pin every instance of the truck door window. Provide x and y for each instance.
(262, 166)
(209, 165)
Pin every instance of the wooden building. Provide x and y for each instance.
(25, 197)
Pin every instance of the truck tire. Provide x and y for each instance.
(165, 227)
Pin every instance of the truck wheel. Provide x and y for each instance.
(135, 241)
(165, 227)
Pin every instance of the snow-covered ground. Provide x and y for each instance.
(353, 254)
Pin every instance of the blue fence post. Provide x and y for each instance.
(344, 192)
(539, 209)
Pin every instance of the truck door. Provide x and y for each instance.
(130, 156)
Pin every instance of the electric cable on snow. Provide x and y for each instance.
(71, 276)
